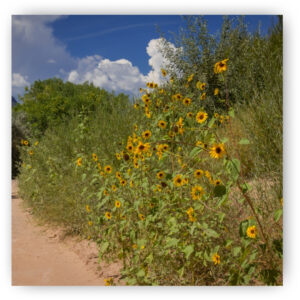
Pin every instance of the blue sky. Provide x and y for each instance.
(116, 52)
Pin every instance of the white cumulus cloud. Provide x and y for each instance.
(120, 75)
(19, 81)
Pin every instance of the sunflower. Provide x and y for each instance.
(90, 223)
(163, 72)
(129, 147)
(79, 161)
(216, 115)
(136, 106)
(251, 232)
(190, 211)
(190, 78)
(148, 114)
(136, 164)
(216, 259)
(118, 175)
(25, 143)
(36, 143)
(151, 205)
(177, 97)
(108, 169)
(114, 187)
(216, 91)
(126, 156)
(165, 147)
(198, 173)
(221, 66)
(217, 151)
(160, 175)
(108, 215)
(31, 152)
(118, 156)
(123, 182)
(162, 124)
(108, 281)
(142, 148)
(105, 192)
(178, 180)
(146, 134)
(200, 85)
(189, 114)
(203, 96)
(141, 90)
(142, 217)
(95, 157)
(218, 182)
(131, 183)
(163, 184)
(201, 117)
(117, 204)
(187, 101)
(197, 192)
(87, 208)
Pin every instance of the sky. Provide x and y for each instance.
(114, 52)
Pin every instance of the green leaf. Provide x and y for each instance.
(141, 273)
(195, 151)
(83, 177)
(211, 122)
(236, 251)
(219, 190)
(171, 242)
(104, 247)
(243, 228)
(244, 142)
(211, 233)
(231, 113)
(188, 250)
(278, 214)
(180, 272)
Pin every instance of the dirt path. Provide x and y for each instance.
(43, 256)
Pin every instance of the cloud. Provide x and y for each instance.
(120, 75)
(35, 51)
(39, 55)
(19, 81)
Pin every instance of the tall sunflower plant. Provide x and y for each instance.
(166, 203)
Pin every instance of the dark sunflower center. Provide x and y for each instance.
(218, 150)
(126, 156)
(142, 147)
(163, 184)
(252, 231)
(201, 117)
(179, 180)
(221, 64)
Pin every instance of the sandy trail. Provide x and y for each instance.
(41, 256)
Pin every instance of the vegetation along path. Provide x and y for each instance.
(45, 256)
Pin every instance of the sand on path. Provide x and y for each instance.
(40, 256)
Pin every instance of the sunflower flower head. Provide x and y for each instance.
(221, 66)
(217, 151)
(216, 259)
(201, 117)
(252, 232)
(197, 192)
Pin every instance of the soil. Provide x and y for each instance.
(43, 255)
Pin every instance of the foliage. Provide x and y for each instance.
(174, 186)
(47, 103)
